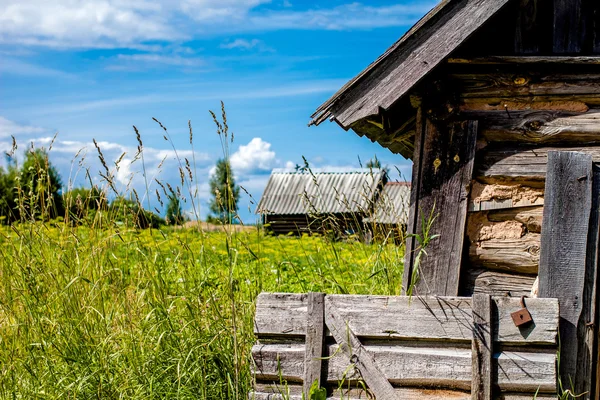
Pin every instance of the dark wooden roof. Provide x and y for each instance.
(408, 61)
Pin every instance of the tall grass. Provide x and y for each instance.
(91, 308)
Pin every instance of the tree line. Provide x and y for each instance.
(33, 191)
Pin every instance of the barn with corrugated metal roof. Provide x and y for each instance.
(318, 201)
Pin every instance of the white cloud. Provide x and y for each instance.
(8, 128)
(253, 157)
(245, 44)
(169, 60)
(146, 23)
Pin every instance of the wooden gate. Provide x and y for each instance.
(361, 347)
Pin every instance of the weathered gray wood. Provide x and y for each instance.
(522, 164)
(315, 334)
(408, 61)
(496, 283)
(376, 317)
(413, 211)
(482, 348)
(414, 366)
(443, 192)
(520, 255)
(357, 354)
(541, 126)
(567, 212)
(276, 391)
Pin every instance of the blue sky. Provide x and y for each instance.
(90, 69)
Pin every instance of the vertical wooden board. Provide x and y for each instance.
(315, 333)
(596, 31)
(570, 26)
(564, 245)
(447, 169)
(411, 224)
(533, 27)
(482, 347)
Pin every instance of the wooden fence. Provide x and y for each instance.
(361, 347)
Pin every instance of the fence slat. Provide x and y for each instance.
(353, 348)
(376, 317)
(481, 384)
(564, 246)
(315, 333)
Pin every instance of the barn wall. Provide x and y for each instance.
(297, 224)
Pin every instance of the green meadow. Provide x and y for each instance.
(108, 312)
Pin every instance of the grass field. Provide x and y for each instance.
(110, 313)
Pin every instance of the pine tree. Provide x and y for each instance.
(226, 194)
(174, 214)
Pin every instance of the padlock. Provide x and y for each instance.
(522, 317)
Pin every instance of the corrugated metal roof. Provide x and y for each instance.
(315, 192)
(392, 205)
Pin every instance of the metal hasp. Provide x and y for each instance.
(522, 317)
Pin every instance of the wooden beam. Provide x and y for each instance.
(496, 283)
(442, 192)
(513, 255)
(562, 271)
(482, 348)
(570, 26)
(413, 211)
(315, 334)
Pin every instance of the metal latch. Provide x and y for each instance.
(522, 317)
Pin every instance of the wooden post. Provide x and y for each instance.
(564, 262)
(315, 331)
(482, 347)
(441, 190)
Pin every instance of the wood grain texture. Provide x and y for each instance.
(314, 340)
(482, 348)
(376, 317)
(357, 355)
(520, 255)
(527, 60)
(495, 283)
(412, 366)
(567, 212)
(443, 191)
(542, 127)
(525, 164)
(531, 217)
(404, 66)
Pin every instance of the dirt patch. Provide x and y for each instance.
(207, 227)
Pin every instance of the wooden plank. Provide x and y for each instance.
(526, 164)
(570, 26)
(315, 334)
(529, 24)
(412, 365)
(413, 211)
(356, 354)
(567, 212)
(531, 217)
(521, 255)
(447, 168)
(482, 348)
(409, 61)
(495, 283)
(376, 317)
(276, 391)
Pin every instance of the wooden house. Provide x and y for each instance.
(390, 214)
(497, 103)
(317, 201)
